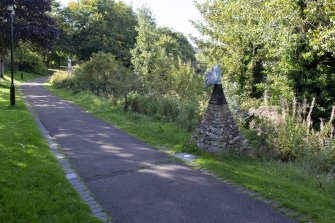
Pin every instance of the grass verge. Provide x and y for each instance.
(289, 183)
(33, 187)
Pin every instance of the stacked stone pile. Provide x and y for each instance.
(218, 131)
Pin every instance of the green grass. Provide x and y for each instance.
(33, 187)
(289, 183)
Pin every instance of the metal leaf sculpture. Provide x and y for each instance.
(213, 76)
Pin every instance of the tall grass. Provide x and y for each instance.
(167, 108)
(286, 133)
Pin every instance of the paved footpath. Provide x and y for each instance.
(135, 183)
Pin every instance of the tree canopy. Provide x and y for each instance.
(284, 47)
(99, 25)
(158, 52)
(32, 23)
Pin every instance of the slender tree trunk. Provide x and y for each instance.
(126, 105)
(1, 65)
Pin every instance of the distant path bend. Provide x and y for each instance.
(134, 182)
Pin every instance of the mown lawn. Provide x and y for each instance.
(288, 183)
(33, 187)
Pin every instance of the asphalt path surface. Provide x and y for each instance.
(132, 181)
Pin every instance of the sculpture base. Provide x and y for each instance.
(218, 131)
(218, 97)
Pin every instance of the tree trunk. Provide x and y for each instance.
(126, 103)
(1, 65)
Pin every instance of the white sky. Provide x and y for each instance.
(170, 13)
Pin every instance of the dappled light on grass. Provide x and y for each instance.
(33, 187)
(18, 164)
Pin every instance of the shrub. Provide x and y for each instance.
(103, 75)
(32, 61)
(63, 79)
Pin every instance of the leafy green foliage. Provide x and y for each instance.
(159, 54)
(246, 38)
(32, 60)
(149, 60)
(91, 26)
(103, 75)
(284, 47)
(32, 23)
(62, 79)
(176, 44)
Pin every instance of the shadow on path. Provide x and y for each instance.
(134, 182)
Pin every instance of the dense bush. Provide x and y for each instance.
(102, 75)
(63, 79)
(30, 60)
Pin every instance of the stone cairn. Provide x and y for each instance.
(218, 131)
